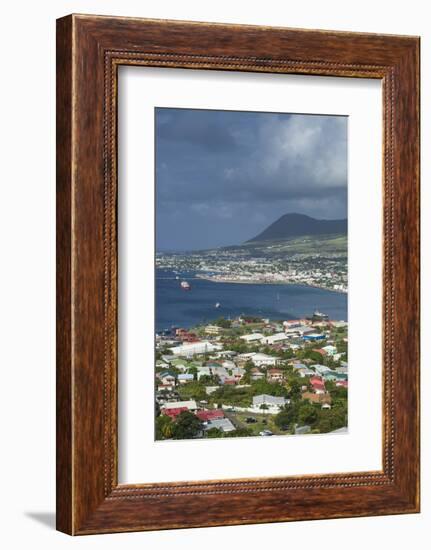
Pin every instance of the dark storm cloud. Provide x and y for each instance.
(224, 176)
(190, 128)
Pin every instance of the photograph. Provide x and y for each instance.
(251, 274)
(213, 309)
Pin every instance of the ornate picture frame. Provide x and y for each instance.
(89, 51)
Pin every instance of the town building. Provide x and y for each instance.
(189, 405)
(253, 337)
(275, 375)
(305, 371)
(222, 424)
(184, 378)
(321, 369)
(330, 350)
(269, 400)
(317, 384)
(320, 398)
(313, 337)
(256, 374)
(275, 338)
(195, 348)
(264, 360)
(213, 330)
(212, 414)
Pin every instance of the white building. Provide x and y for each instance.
(194, 348)
(261, 359)
(254, 337)
(184, 378)
(204, 371)
(223, 424)
(305, 371)
(271, 402)
(291, 324)
(330, 350)
(256, 374)
(339, 324)
(182, 367)
(294, 347)
(297, 366)
(190, 405)
(301, 330)
(213, 329)
(321, 369)
(275, 338)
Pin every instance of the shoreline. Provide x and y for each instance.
(259, 282)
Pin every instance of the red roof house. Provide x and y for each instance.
(205, 416)
(173, 413)
(317, 383)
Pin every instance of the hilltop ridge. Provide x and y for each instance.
(294, 225)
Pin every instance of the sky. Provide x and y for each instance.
(223, 176)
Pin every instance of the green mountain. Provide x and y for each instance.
(292, 226)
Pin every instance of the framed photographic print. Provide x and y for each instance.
(237, 274)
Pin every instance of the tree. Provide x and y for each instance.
(283, 419)
(295, 386)
(263, 386)
(307, 413)
(214, 432)
(209, 380)
(187, 426)
(239, 347)
(246, 379)
(164, 427)
(286, 354)
(332, 419)
(239, 432)
(192, 390)
(338, 392)
(223, 323)
(313, 355)
(194, 371)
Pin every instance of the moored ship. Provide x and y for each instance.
(185, 285)
(318, 316)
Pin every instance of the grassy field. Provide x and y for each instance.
(304, 245)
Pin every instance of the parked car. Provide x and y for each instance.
(266, 433)
(250, 420)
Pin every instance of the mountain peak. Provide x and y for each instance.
(296, 225)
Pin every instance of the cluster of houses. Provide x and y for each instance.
(202, 355)
(212, 418)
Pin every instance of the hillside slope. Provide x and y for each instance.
(291, 226)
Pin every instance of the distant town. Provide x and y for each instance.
(251, 376)
(327, 270)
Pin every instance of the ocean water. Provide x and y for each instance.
(176, 307)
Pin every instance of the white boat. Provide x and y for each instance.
(217, 305)
(185, 285)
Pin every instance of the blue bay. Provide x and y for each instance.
(176, 307)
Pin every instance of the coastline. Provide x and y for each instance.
(260, 282)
